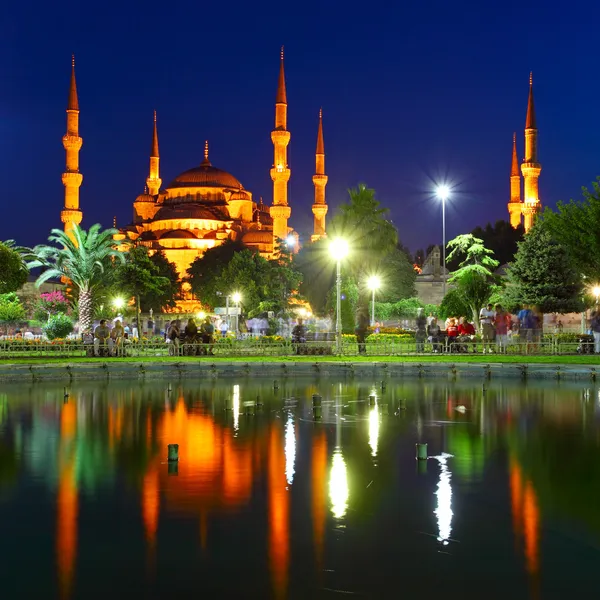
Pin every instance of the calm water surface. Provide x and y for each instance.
(278, 505)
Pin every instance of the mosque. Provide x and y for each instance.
(525, 210)
(203, 206)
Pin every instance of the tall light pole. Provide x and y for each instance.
(338, 250)
(373, 283)
(442, 192)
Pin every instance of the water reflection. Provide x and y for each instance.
(338, 485)
(269, 491)
(443, 494)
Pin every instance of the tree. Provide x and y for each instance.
(82, 259)
(13, 269)
(318, 273)
(473, 280)
(11, 309)
(576, 226)
(543, 274)
(139, 278)
(205, 271)
(398, 276)
(168, 270)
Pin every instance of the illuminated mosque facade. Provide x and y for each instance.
(203, 206)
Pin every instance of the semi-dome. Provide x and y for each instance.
(192, 210)
(205, 175)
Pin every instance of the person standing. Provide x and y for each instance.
(173, 334)
(595, 327)
(207, 331)
(420, 330)
(486, 318)
(501, 324)
(433, 333)
(299, 337)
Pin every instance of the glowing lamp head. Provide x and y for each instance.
(339, 249)
(118, 303)
(236, 297)
(374, 282)
(442, 192)
(290, 241)
(596, 291)
(201, 315)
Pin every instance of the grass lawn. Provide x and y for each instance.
(465, 358)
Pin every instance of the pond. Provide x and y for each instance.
(269, 500)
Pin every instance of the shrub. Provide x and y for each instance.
(58, 326)
(51, 303)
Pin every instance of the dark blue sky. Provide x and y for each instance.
(410, 94)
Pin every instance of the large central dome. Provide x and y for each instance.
(205, 175)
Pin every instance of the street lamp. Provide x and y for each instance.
(118, 303)
(338, 250)
(442, 193)
(237, 297)
(374, 283)
(290, 242)
(596, 292)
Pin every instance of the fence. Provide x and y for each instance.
(37, 349)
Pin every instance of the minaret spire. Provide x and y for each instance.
(154, 181)
(280, 173)
(320, 181)
(531, 168)
(72, 178)
(515, 206)
(206, 161)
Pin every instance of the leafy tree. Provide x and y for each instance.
(501, 238)
(453, 305)
(58, 326)
(82, 260)
(11, 309)
(543, 274)
(349, 302)
(474, 279)
(576, 225)
(398, 276)
(139, 278)
(318, 273)
(13, 269)
(168, 270)
(205, 272)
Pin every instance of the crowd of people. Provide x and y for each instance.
(498, 329)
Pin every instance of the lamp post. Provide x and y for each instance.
(237, 297)
(442, 192)
(374, 283)
(338, 250)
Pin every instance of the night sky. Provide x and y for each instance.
(411, 95)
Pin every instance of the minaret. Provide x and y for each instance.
(514, 206)
(154, 181)
(280, 173)
(531, 168)
(320, 181)
(72, 178)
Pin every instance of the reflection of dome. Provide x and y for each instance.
(190, 210)
(205, 175)
(258, 237)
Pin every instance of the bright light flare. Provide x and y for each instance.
(596, 291)
(118, 303)
(374, 282)
(201, 315)
(442, 192)
(290, 241)
(290, 449)
(339, 249)
(236, 297)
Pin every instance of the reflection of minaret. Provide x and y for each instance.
(71, 215)
(280, 173)
(67, 501)
(531, 168)
(151, 504)
(319, 484)
(278, 514)
(320, 181)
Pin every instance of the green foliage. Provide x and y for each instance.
(454, 305)
(576, 226)
(318, 273)
(82, 259)
(543, 274)
(403, 309)
(153, 280)
(349, 303)
(58, 326)
(11, 309)
(13, 270)
(473, 280)
(397, 275)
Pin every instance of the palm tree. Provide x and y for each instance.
(80, 257)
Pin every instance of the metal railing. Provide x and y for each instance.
(11, 349)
